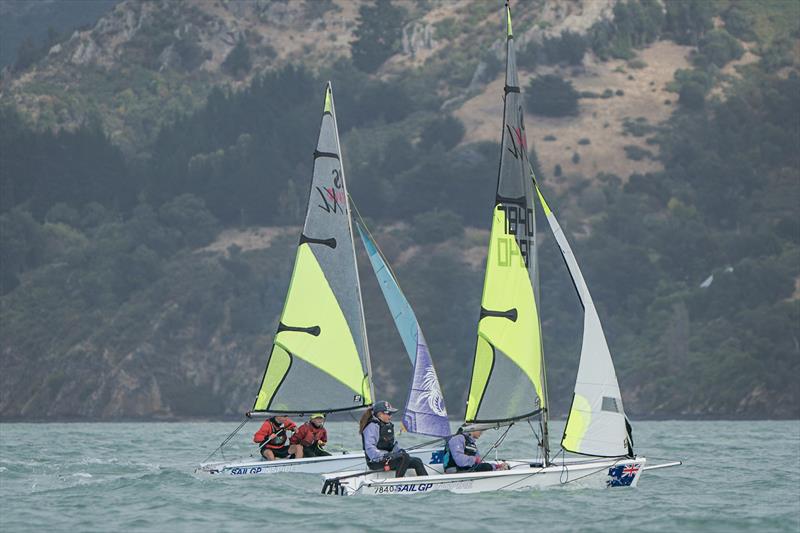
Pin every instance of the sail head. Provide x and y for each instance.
(319, 361)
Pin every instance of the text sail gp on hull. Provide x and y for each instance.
(422, 487)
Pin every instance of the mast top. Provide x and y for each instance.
(508, 20)
(328, 97)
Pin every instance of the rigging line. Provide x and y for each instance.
(228, 438)
(563, 471)
(593, 472)
(497, 443)
(539, 440)
(426, 443)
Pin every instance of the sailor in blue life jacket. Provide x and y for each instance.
(380, 446)
(461, 454)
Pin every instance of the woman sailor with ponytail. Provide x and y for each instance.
(380, 446)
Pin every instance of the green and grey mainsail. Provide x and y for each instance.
(319, 359)
(596, 424)
(507, 380)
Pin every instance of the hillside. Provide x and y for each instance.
(145, 64)
(155, 170)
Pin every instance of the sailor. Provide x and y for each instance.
(310, 438)
(380, 446)
(461, 453)
(273, 440)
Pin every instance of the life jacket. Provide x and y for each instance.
(308, 434)
(385, 437)
(470, 448)
(268, 428)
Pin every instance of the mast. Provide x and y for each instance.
(545, 415)
(366, 358)
(507, 382)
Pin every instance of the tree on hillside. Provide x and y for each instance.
(238, 62)
(552, 96)
(688, 20)
(377, 35)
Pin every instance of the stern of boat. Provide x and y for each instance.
(626, 473)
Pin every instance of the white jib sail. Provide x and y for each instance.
(596, 422)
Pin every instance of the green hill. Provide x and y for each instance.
(155, 168)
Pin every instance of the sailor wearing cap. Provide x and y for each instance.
(380, 446)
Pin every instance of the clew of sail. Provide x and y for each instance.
(596, 424)
(319, 359)
(507, 380)
(425, 411)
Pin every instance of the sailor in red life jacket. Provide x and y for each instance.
(273, 440)
(310, 438)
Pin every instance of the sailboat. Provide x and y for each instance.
(319, 360)
(508, 382)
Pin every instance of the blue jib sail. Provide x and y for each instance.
(425, 411)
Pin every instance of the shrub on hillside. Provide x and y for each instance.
(718, 47)
(238, 62)
(436, 226)
(446, 131)
(568, 49)
(552, 96)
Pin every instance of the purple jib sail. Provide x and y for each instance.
(425, 411)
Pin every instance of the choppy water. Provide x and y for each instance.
(737, 476)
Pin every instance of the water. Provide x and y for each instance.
(737, 476)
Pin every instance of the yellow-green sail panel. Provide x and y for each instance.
(507, 375)
(319, 337)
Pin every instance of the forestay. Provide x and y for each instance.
(319, 359)
(425, 410)
(507, 380)
(596, 424)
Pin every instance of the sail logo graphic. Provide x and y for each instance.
(517, 137)
(431, 393)
(333, 198)
(519, 228)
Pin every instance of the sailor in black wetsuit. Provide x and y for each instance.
(462, 454)
(380, 446)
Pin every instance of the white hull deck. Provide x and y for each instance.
(351, 460)
(586, 473)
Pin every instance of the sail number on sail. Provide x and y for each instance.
(519, 228)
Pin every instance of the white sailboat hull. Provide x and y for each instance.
(584, 473)
(351, 460)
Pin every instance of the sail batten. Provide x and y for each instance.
(319, 360)
(507, 381)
